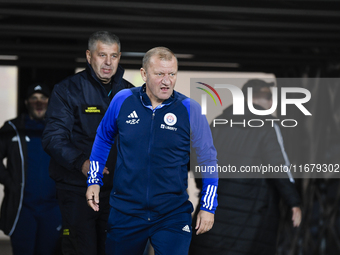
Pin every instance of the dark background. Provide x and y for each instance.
(281, 37)
(287, 38)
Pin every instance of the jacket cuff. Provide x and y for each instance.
(207, 210)
(80, 161)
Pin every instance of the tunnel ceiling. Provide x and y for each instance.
(211, 35)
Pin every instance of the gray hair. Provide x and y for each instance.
(163, 53)
(104, 37)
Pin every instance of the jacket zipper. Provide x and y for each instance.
(149, 165)
(149, 150)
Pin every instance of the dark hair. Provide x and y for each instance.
(258, 86)
(104, 37)
(163, 53)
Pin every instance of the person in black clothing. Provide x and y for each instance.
(30, 213)
(248, 216)
(76, 107)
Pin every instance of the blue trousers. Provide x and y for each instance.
(37, 231)
(128, 235)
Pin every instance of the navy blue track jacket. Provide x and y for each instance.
(150, 179)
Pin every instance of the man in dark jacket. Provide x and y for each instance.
(75, 110)
(248, 215)
(30, 213)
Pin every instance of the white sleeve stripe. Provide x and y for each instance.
(205, 196)
(209, 193)
(91, 167)
(285, 156)
(94, 168)
(212, 198)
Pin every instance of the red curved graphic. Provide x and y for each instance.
(212, 90)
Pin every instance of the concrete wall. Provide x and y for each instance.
(8, 103)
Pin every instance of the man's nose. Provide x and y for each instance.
(39, 102)
(166, 80)
(108, 60)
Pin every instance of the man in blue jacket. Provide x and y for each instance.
(155, 126)
(75, 110)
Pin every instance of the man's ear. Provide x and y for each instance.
(143, 74)
(26, 102)
(88, 56)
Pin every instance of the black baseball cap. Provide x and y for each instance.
(38, 88)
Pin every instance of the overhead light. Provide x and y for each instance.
(181, 63)
(81, 60)
(8, 57)
(188, 56)
(133, 54)
(210, 64)
(130, 62)
(141, 54)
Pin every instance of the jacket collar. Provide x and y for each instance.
(146, 100)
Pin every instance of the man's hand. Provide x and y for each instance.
(86, 168)
(296, 217)
(92, 197)
(106, 170)
(205, 221)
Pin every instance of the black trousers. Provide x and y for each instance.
(84, 230)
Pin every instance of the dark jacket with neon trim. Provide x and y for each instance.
(76, 107)
(153, 152)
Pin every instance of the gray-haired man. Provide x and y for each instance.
(76, 108)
